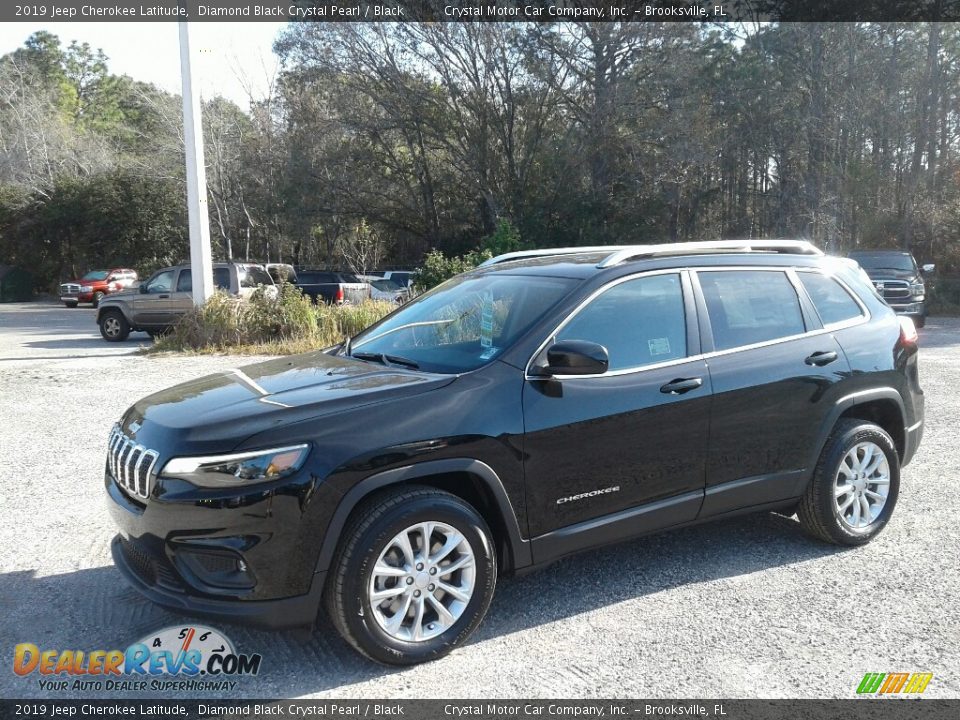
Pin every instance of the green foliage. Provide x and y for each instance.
(505, 239)
(269, 324)
(437, 267)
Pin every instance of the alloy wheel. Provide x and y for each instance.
(861, 486)
(422, 581)
(111, 326)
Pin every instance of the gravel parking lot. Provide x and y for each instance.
(743, 608)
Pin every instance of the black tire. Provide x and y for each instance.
(113, 326)
(919, 322)
(97, 297)
(71, 305)
(818, 513)
(368, 533)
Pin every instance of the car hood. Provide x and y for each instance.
(891, 274)
(217, 412)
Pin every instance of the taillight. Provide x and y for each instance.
(908, 331)
(338, 298)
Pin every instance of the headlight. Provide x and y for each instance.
(917, 290)
(217, 471)
(86, 288)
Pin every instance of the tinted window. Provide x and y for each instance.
(185, 281)
(639, 322)
(885, 261)
(750, 306)
(95, 275)
(221, 278)
(161, 283)
(314, 278)
(833, 303)
(252, 276)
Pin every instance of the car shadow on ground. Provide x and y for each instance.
(94, 342)
(95, 609)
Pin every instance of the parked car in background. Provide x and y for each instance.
(401, 277)
(547, 406)
(331, 287)
(95, 285)
(161, 300)
(386, 290)
(898, 280)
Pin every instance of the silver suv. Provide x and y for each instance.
(161, 300)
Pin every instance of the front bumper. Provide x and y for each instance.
(290, 612)
(912, 309)
(239, 558)
(77, 298)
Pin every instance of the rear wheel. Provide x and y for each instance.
(854, 487)
(114, 326)
(413, 577)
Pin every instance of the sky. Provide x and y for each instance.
(227, 56)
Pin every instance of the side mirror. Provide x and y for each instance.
(143, 288)
(574, 357)
(928, 268)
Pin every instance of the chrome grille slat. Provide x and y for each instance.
(130, 463)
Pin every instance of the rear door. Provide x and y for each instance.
(597, 446)
(775, 373)
(182, 298)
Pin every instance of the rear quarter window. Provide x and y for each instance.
(832, 301)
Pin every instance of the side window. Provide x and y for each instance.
(185, 281)
(639, 322)
(832, 302)
(162, 283)
(221, 278)
(750, 306)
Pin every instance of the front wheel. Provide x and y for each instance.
(70, 305)
(413, 577)
(97, 297)
(114, 326)
(855, 486)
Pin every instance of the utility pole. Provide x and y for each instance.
(201, 257)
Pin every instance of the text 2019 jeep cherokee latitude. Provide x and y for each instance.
(543, 404)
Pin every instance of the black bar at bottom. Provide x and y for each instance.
(853, 709)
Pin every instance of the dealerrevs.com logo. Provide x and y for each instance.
(894, 683)
(190, 657)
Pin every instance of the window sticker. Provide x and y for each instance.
(659, 346)
(489, 353)
(486, 321)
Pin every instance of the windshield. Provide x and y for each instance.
(95, 275)
(885, 261)
(462, 324)
(385, 285)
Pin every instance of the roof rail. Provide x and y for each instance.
(792, 247)
(548, 252)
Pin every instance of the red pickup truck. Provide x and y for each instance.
(92, 287)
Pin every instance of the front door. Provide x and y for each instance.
(152, 307)
(599, 447)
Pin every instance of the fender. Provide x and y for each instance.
(519, 548)
(842, 405)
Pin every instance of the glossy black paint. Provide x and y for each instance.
(678, 451)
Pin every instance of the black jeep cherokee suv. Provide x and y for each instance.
(546, 403)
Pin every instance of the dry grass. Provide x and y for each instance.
(286, 325)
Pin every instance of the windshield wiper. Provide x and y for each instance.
(388, 360)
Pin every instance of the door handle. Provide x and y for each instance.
(681, 385)
(821, 358)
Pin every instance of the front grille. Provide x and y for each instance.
(131, 464)
(895, 290)
(69, 289)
